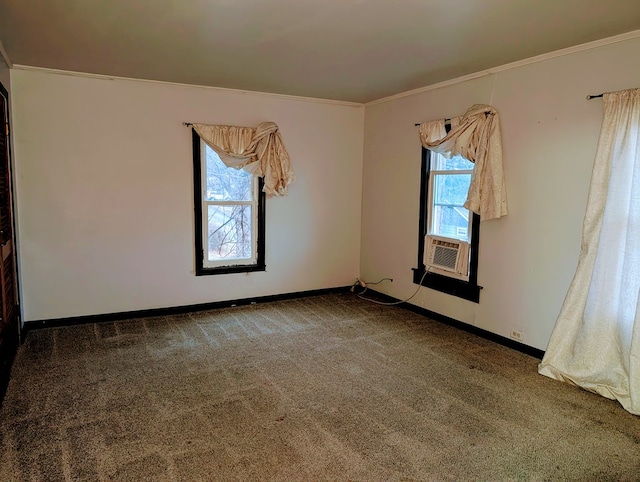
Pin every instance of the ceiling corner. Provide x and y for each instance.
(4, 57)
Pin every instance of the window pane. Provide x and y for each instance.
(451, 188)
(441, 163)
(448, 217)
(229, 232)
(450, 222)
(225, 183)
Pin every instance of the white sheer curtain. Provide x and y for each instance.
(258, 150)
(596, 341)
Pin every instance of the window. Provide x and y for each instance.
(449, 181)
(444, 187)
(229, 215)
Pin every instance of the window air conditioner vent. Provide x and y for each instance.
(450, 255)
(445, 257)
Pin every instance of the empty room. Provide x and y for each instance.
(337, 240)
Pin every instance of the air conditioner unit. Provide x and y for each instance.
(446, 254)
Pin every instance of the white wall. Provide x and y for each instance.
(550, 132)
(105, 201)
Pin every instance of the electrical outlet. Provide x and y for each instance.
(517, 335)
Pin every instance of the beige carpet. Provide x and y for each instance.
(328, 387)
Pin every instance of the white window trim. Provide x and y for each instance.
(227, 262)
(430, 209)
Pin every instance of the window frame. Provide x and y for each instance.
(468, 290)
(200, 203)
(431, 193)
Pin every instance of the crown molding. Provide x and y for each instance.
(483, 73)
(512, 65)
(87, 75)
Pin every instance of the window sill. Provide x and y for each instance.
(249, 268)
(454, 287)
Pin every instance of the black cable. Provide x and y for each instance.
(395, 302)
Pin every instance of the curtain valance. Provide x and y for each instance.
(258, 150)
(475, 136)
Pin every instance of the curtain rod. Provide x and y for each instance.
(188, 124)
(589, 97)
(447, 122)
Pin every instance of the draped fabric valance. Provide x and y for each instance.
(258, 150)
(475, 136)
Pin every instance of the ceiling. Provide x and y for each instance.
(349, 50)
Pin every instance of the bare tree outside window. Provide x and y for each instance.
(229, 197)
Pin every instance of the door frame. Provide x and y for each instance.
(15, 331)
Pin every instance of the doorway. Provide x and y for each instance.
(9, 312)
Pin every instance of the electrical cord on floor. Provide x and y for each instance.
(378, 282)
(366, 287)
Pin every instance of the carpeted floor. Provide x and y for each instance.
(322, 388)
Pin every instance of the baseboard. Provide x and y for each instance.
(501, 340)
(8, 351)
(173, 310)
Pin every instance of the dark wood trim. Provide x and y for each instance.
(175, 310)
(475, 248)
(468, 290)
(8, 352)
(445, 284)
(197, 202)
(487, 335)
(10, 338)
(262, 227)
(4, 92)
(260, 264)
(422, 222)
